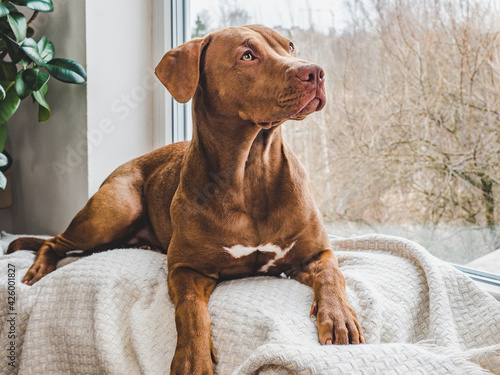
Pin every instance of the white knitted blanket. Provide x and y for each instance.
(110, 313)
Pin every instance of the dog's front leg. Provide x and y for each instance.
(190, 291)
(337, 321)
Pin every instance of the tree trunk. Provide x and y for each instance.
(489, 208)
(489, 200)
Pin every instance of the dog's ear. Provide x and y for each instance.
(179, 69)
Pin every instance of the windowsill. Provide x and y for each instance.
(487, 281)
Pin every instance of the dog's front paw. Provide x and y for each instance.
(337, 323)
(192, 361)
(40, 268)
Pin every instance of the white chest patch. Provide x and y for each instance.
(239, 251)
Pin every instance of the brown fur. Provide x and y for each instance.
(236, 183)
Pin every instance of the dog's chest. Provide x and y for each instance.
(250, 260)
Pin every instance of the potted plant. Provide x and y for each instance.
(26, 65)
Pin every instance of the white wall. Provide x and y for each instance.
(120, 85)
(94, 127)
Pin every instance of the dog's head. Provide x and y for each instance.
(250, 72)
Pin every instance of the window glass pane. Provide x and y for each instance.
(409, 141)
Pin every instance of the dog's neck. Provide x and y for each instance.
(246, 152)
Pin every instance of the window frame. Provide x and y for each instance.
(486, 280)
(171, 27)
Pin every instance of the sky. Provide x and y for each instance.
(285, 13)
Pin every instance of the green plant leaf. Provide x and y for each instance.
(4, 26)
(40, 5)
(18, 2)
(45, 49)
(10, 7)
(18, 24)
(3, 94)
(3, 160)
(3, 137)
(66, 71)
(6, 84)
(43, 113)
(43, 109)
(25, 62)
(4, 10)
(3, 181)
(16, 54)
(44, 90)
(35, 79)
(9, 105)
(8, 71)
(22, 88)
(30, 47)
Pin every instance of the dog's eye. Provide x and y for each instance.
(247, 57)
(292, 48)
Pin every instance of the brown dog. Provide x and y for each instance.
(233, 202)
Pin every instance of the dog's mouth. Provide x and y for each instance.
(315, 104)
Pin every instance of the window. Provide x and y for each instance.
(172, 119)
(409, 142)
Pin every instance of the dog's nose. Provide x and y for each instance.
(311, 73)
